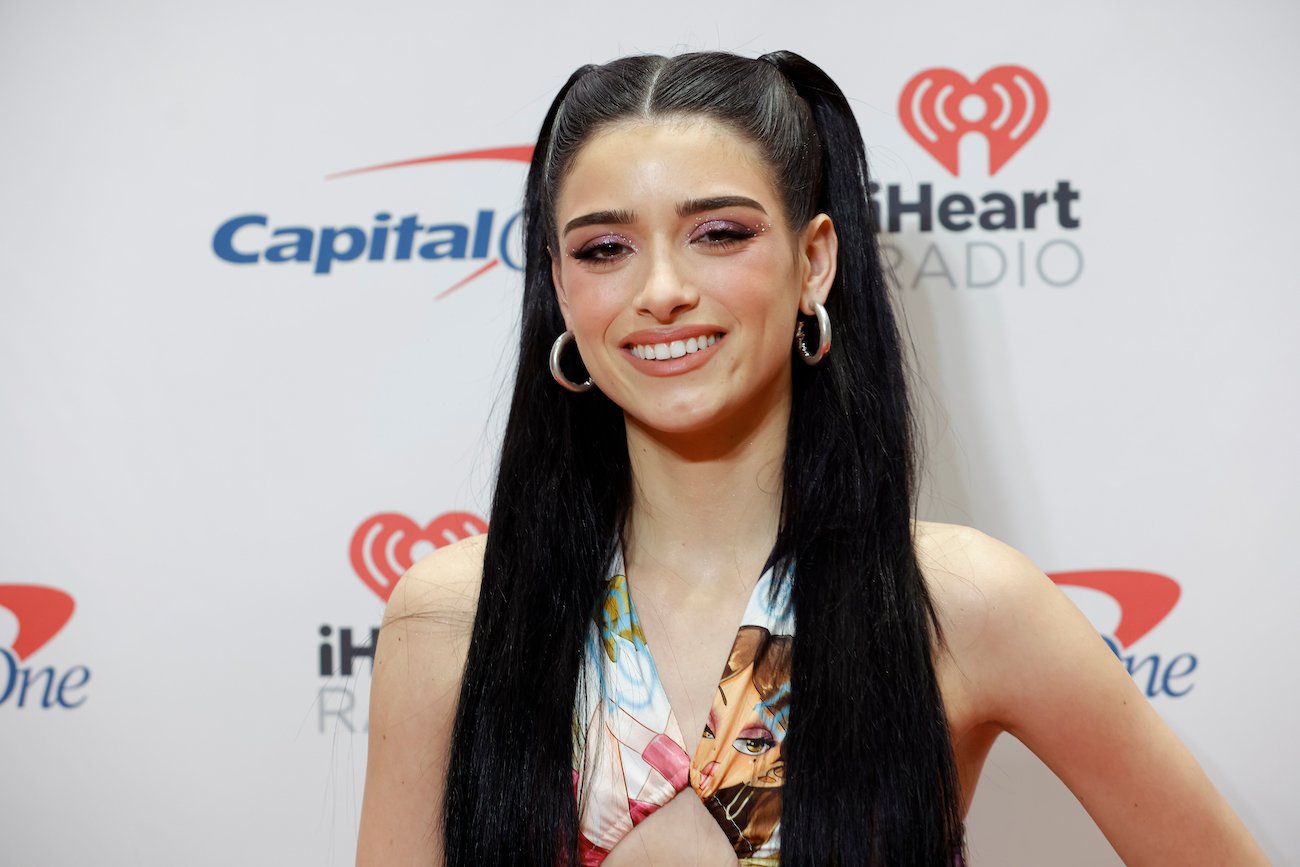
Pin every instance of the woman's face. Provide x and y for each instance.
(742, 746)
(679, 276)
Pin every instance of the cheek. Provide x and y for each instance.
(594, 300)
(756, 267)
(758, 289)
(755, 289)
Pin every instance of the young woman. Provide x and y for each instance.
(704, 626)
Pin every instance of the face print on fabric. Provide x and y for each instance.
(629, 755)
(738, 769)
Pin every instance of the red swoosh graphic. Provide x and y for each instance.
(510, 153)
(1144, 598)
(41, 613)
(459, 283)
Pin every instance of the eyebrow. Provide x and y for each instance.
(617, 218)
(684, 209)
(695, 206)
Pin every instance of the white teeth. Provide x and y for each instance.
(675, 349)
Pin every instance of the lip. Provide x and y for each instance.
(668, 335)
(673, 366)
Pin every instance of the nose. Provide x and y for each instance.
(667, 291)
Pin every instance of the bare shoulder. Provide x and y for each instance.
(979, 585)
(957, 547)
(442, 586)
(982, 589)
(419, 660)
(1008, 628)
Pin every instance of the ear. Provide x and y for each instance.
(560, 295)
(818, 252)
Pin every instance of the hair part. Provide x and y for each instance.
(757, 102)
(870, 775)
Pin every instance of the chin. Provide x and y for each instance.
(685, 411)
(668, 421)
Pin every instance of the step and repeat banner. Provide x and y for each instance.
(259, 284)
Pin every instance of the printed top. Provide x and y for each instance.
(629, 755)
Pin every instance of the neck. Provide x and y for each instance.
(706, 505)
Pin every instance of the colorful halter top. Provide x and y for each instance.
(629, 755)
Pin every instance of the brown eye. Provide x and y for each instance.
(721, 234)
(753, 746)
(754, 740)
(599, 251)
(606, 248)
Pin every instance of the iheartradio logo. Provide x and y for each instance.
(385, 545)
(1006, 105)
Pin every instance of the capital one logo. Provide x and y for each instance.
(1144, 600)
(1006, 105)
(41, 613)
(487, 239)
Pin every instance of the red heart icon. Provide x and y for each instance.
(41, 612)
(1009, 105)
(1144, 598)
(381, 547)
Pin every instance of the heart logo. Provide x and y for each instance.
(381, 547)
(1006, 105)
(41, 612)
(1144, 598)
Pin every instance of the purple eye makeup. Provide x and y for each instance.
(715, 231)
(603, 249)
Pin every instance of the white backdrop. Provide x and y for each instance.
(216, 461)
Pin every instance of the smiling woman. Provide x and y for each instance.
(633, 688)
(707, 255)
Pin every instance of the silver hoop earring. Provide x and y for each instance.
(556, 349)
(824, 333)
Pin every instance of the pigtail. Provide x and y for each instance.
(555, 516)
(871, 777)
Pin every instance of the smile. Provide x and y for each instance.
(674, 348)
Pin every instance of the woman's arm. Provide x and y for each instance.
(418, 664)
(1044, 674)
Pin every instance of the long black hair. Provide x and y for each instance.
(870, 776)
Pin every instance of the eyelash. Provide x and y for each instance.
(611, 246)
(725, 236)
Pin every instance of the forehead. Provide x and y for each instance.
(638, 164)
